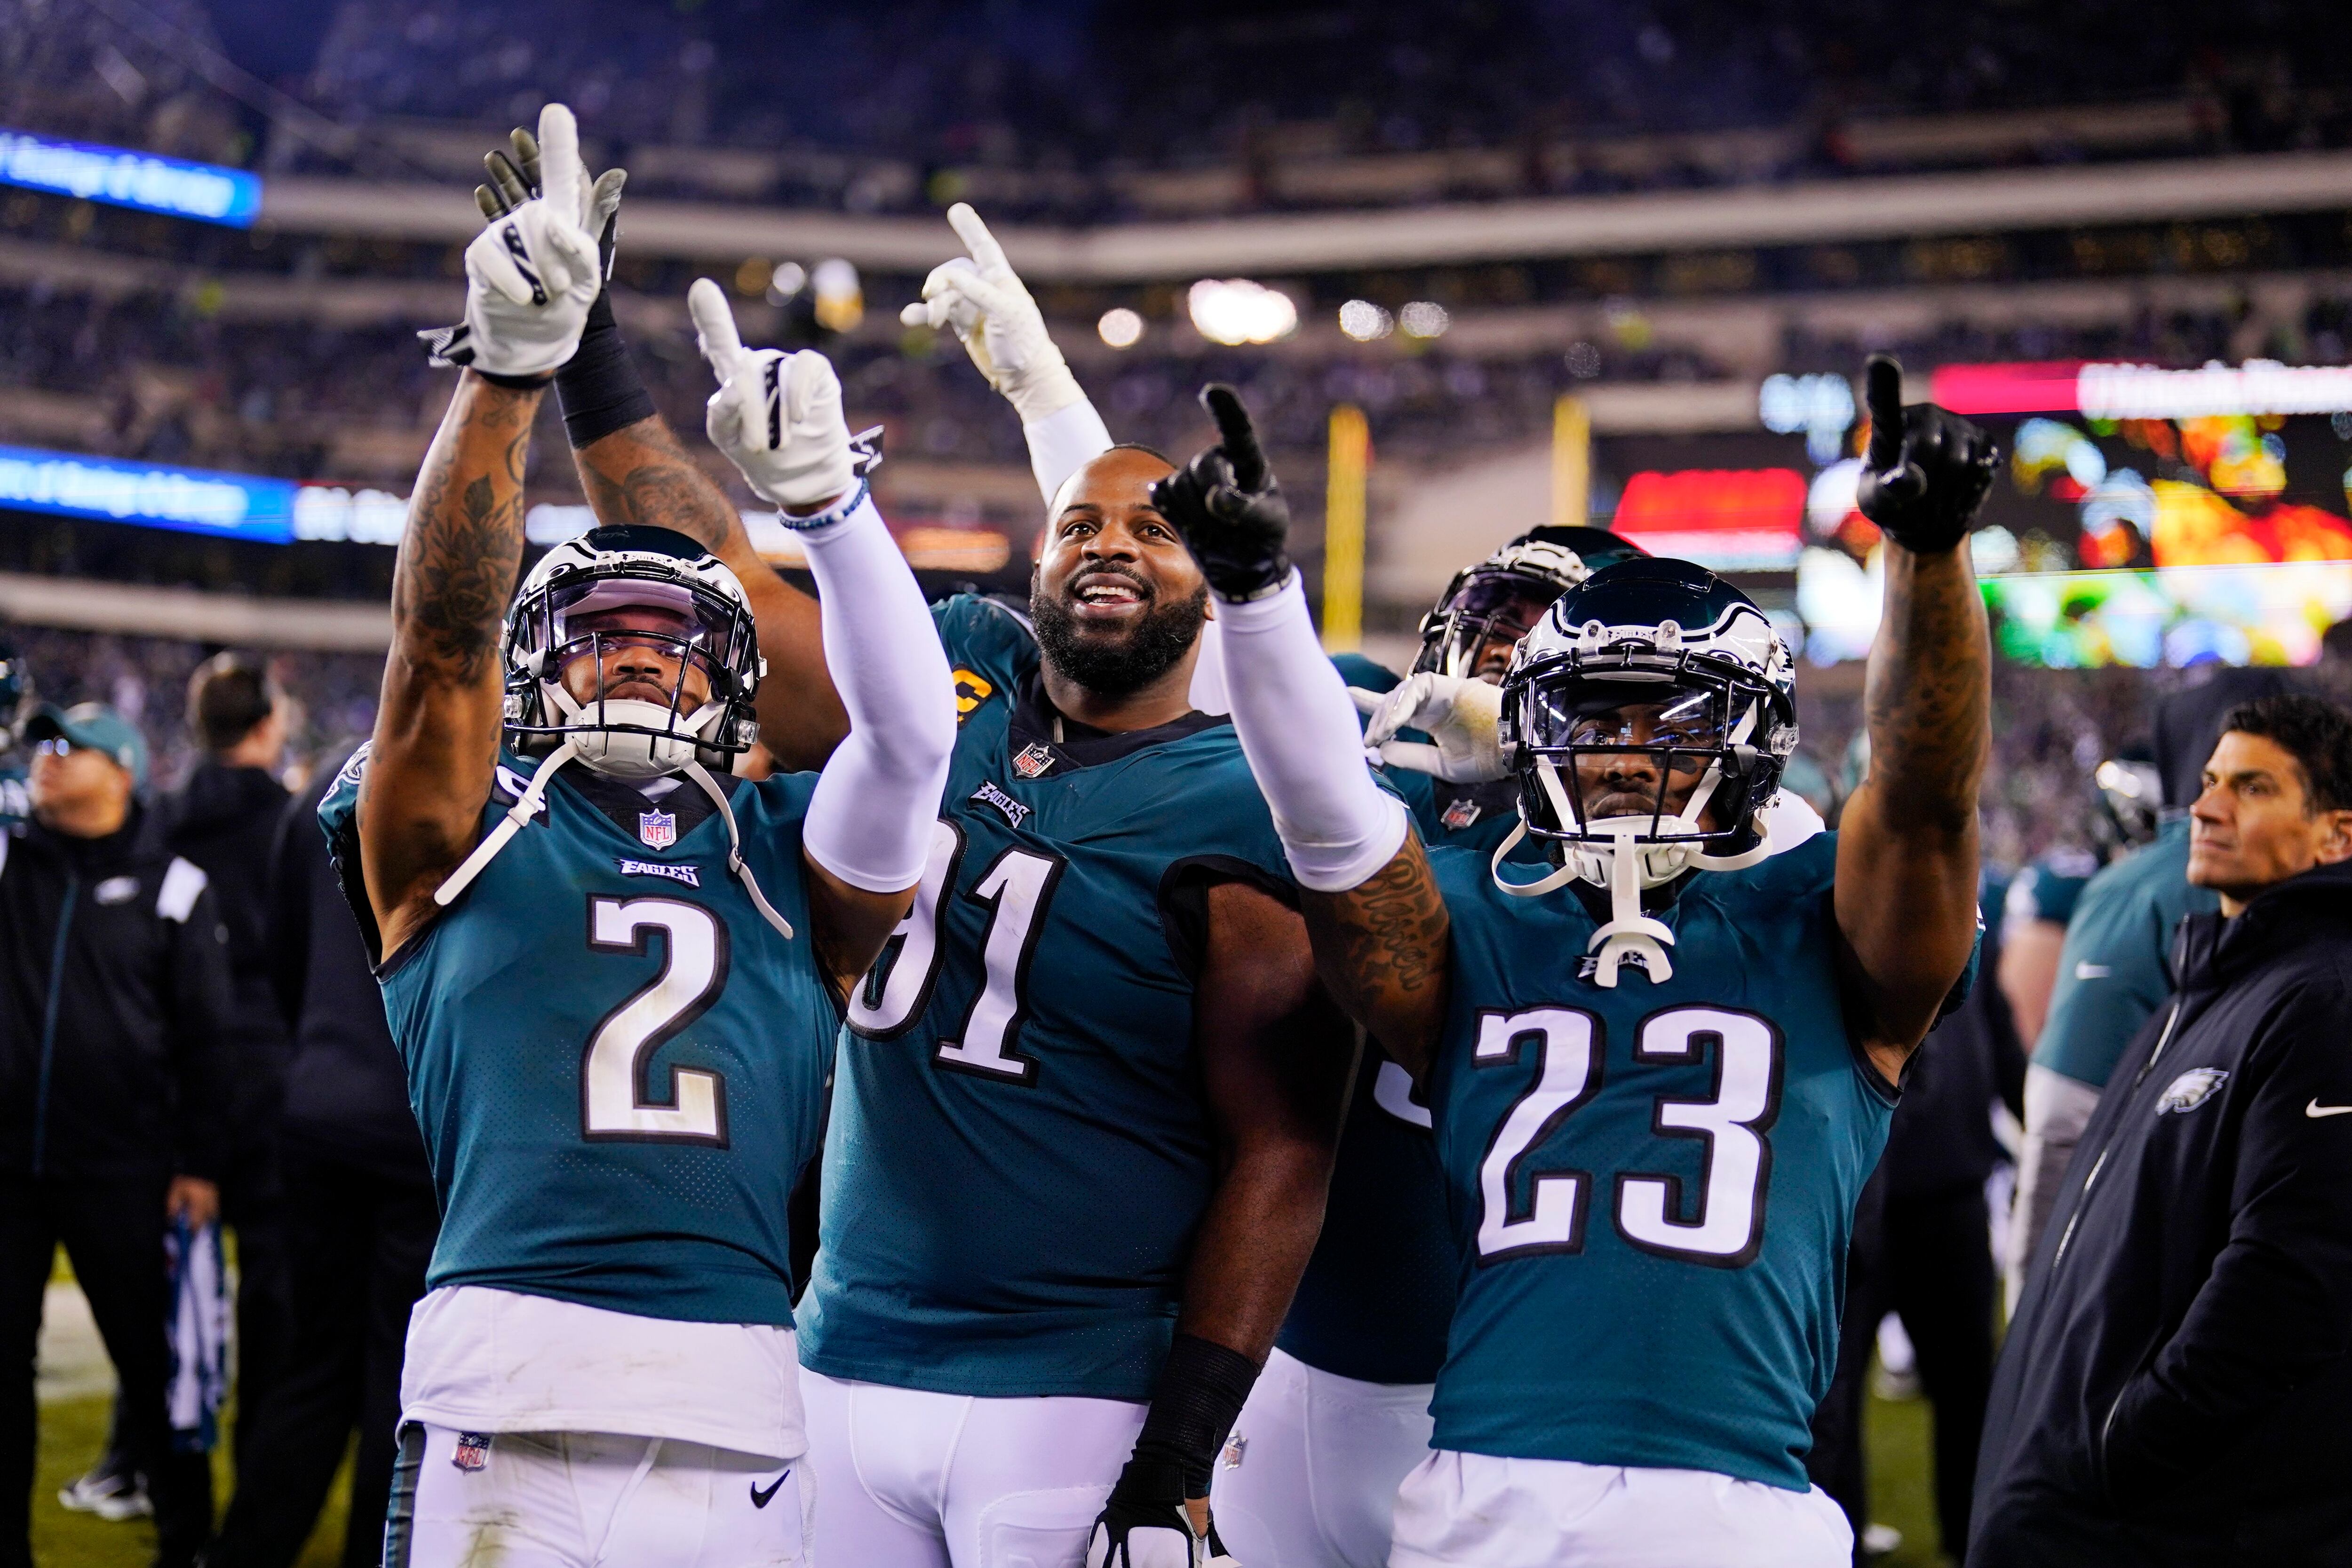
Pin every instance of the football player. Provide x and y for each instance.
(613, 971)
(1085, 1109)
(1341, 1412)
(1659, 1065)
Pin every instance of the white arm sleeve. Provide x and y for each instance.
(1299, 728)
(869, 823)
(1064, 441)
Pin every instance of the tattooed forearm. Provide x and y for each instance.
(1929, 690)
(458, 558)
(1381, 947)
(640, 474)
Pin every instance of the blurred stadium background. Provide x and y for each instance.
(1478, 266)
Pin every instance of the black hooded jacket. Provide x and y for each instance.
(223, 820)
(2176, 1385)
(113, 1003)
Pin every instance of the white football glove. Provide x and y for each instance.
(1459, 715)
(1003, 331)
(776, 415)
(531, 275)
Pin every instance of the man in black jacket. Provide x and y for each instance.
(223, 820)
(2174, 1384)
(113, 995)
(361, 1222)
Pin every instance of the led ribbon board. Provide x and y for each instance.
(192, 500)
(204, 192)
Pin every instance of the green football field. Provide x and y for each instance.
(71, 1433)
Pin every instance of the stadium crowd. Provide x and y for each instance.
(209, 1049)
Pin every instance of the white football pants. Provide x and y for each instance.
(1310, 1477)
(1474, 1511)
(917, 1480)
(573, 1499)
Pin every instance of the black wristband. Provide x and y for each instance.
(1200, 1391)
(599, 389)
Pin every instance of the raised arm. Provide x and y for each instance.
(1907, 870)
(633, 469)
(436, 725)
(531, 276)
(1372, 909)
(868, 831)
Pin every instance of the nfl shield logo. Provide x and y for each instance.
(1460, 814)
(473, 1450)
(1032, 761)
(657, 829)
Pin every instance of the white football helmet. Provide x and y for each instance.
(1667, 635)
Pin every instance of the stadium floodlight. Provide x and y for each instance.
(1235, 310)
(1423, 318)
(1121, 328)
(840, 301)
(1365, 321)
(204, 192)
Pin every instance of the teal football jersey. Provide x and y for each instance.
(15, 797)
(617, 1064)
(2112, 971)
(1652, 1186)
(1019, 1152)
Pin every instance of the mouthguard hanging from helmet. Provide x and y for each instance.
(1649, 677)
(612, 592)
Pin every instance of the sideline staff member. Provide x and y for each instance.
(2173, 1387)
(113, 1002)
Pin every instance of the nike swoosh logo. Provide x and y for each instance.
(2315, 1110)
(761, 1498)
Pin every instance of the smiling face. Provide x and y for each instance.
(1117, 599)
(619, 665)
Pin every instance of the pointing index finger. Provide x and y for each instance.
(1236, 433)
(715, 325)
(562, 177)
(975, 235)
(1882, 395)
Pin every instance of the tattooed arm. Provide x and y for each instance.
(640, 474)
(436, 727)
(1906, 869)
(1384, 949)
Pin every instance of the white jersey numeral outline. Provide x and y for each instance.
(1731, 1123)
(1728, 1229)
(1567, 1075)
(898, 989)
(1016, 888)
(615, 1101)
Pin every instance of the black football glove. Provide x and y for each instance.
(1928, 470)
(1228, 508)
(1145, 1525)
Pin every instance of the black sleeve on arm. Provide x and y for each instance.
(598, 387)
(2276, 1308)
(196, 1019)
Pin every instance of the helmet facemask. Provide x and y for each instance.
(698, 639)
(612, 589)
(1713, 731)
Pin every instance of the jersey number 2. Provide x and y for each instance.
(1728, 1224)
(615, 1101)
(1016, 887)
